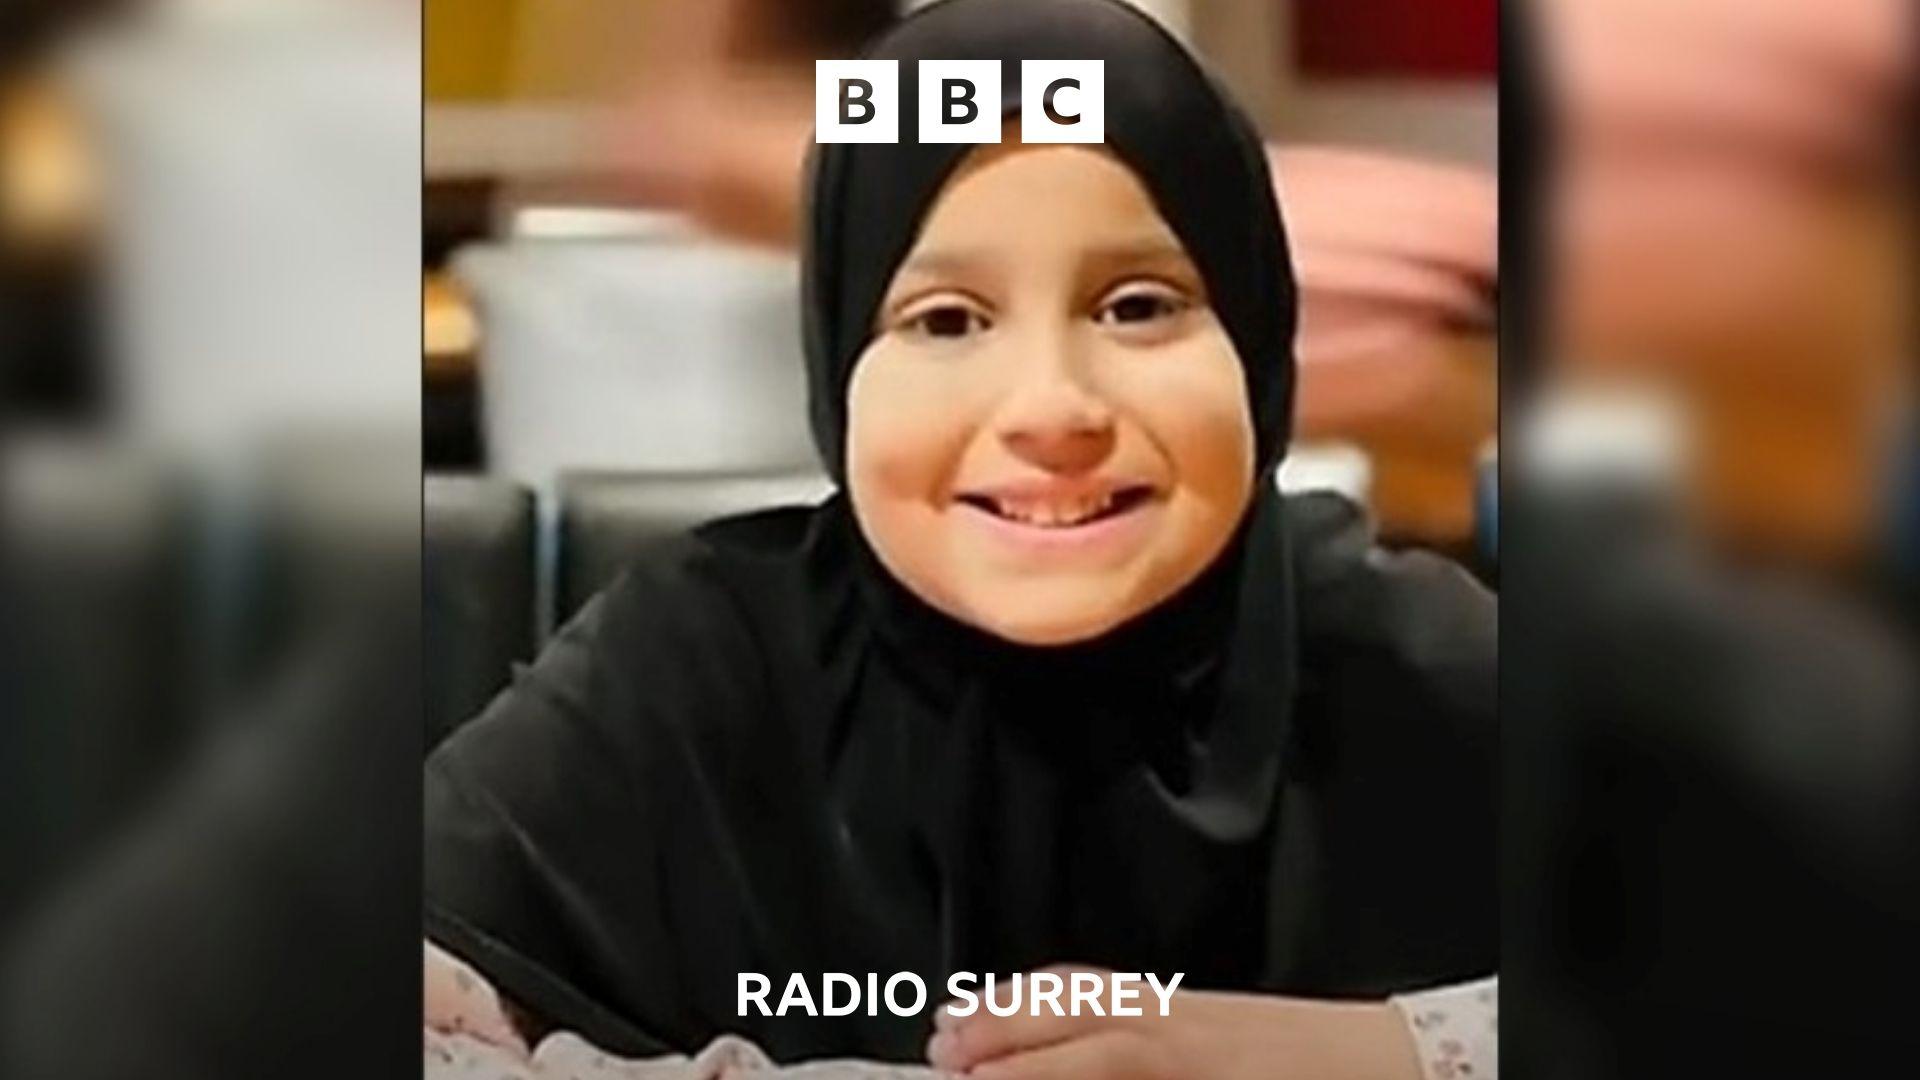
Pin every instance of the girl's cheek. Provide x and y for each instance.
(907, 428)
(1193, 403)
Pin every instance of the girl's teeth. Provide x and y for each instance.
(1056, 515)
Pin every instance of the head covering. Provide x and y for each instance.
(1152, 753)
(1197, 154)
(760, 752)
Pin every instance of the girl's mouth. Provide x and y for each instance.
(1060, 511)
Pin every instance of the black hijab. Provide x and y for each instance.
(760, 752)
(1179, 717)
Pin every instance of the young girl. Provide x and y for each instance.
(1058, 677)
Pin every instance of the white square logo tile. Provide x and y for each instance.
(856, 101)
(960, 101)
(1063, 101)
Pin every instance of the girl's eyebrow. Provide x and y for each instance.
(944, 263)
(1144, 250)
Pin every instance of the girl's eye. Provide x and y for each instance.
(946, 321)
(1141, 304)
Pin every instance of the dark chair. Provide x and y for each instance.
(606, 516)
(477, 589)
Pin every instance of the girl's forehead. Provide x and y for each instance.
(1042, 195)
(1041, 208)
(1017, 181)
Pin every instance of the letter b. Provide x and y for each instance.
(959, 101)
(856, 101)
(958, 92)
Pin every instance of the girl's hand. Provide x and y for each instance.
(458, 1001)
(1225, 1036)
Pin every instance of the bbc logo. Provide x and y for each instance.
(858, 101)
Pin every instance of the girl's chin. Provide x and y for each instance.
(1047, 621)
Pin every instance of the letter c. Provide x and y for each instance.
(1046, 101)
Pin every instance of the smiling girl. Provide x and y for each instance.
(1057, 678)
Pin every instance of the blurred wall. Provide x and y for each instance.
(1429, 108)
(511, 85)
(469, 49)
(518, 88)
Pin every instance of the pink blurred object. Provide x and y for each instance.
(1697, 209)
(1396, 261)
(1811, 78)
(1372, 223)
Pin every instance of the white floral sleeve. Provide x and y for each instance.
(1456, 1030)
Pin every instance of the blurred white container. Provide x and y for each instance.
(262, 220)
(1634, 435)
(1340, 467)
(633, 344)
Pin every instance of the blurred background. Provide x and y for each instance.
(1708, 696)
(230, 231)
(209, 537)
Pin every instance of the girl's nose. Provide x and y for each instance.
(1055, 420)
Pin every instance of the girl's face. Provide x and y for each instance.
(1049, 432)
